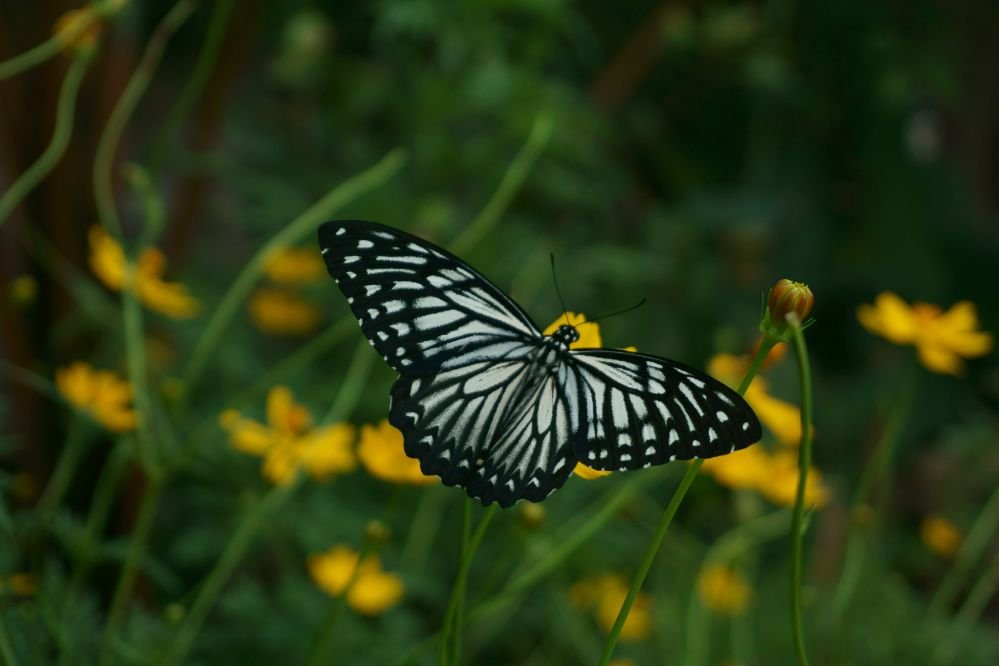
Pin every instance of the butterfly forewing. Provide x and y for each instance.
(639, 410)
(417, 304)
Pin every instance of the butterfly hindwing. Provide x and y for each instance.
(640, 410)
(417, 304)
(499, 429)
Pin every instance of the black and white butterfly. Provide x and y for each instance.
(488, 403)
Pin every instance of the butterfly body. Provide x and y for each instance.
(486, 402)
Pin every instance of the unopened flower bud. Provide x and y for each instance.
(532, 515)
(789, 303)
(376, 532)
(787, 297)
(79, 28)
(23, 290)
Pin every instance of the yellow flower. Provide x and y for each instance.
(108, 262)
(772, 474)
(605, 595)
(289, 442)
(940, 535)
(99, 393)
(293, 266)
(282, 312)
(942, 339)
(588, 473)
(779, 417)
(589, 332)
(723, 589)
(382, 453)
(370, 590)
(780, 484)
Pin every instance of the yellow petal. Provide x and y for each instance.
(327, 451)
(781, 418)
(741, 469)
(293, 266)
(280, 404)
(780, 482)
(374, 592)
(938, 358)
(890, 318)
(249, 436)
(333, 570)
(74, 383)
(723, 589)
(107, 259)
(589, 332)
(280, 464)
(586, 472)
(383, 455)
(282, 312)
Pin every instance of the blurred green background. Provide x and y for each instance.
(691, 153)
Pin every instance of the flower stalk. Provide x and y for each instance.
(804, 464)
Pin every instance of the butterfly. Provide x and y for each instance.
(487, 402)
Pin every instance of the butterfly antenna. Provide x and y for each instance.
(558, 291)
(611, 314)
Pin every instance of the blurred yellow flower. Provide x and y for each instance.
(779, 417)
(941, 339)
(289, 442)
(370, 590)
(780, 483)
(108, 262)
(294, 265)
(605, 595)
(723, 589)
(20, 584)
(382, 453)
(773, 474)
(940, 535)
(101, 394)
(589, 332)
(282, 312)
(588, 473)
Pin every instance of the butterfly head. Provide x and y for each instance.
(565, 334)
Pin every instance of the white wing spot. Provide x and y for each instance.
(351, 259)
(401, 328)
(673, 437)
(341, 231)
(416, 248)
(325, 250)
(373, 313)
(712, 435)
(650, 451)
(364, 244)
(745, 426)
(381, 335)
(695, 443)
(370, 289)
(625, 457)
(382, 234)
(722, 416)
(604, 453)
(351, 274)
(350, 299)
(393, 306)
(648, 432)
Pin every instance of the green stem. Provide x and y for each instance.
(804, 465)
(980, 536)
(62, 131)
(657, 538)
(447, 631)
(6, 649)
(457, 621)
(873, 473)
(196, 82)
(122, 112)
(47, 49)
(69, 460)
(224, 568)
(136, 549)
(516, 174)
(352, 385)
(324, 643)
(978, 598)
(135, 356)
(305, 223)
